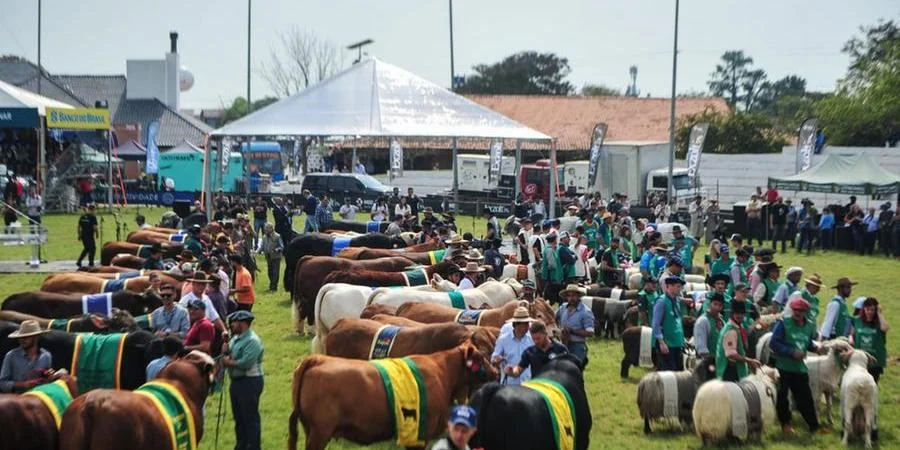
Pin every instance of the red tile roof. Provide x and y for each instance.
(571, 119)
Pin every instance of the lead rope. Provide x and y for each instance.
(221, 397)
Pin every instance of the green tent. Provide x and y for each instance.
(855, 174)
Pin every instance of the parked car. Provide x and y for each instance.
(339, 186)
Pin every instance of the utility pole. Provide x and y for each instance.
(670, 191)
(452, 68)
(249, 4)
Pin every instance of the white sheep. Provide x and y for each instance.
(743, 410)
(825, 375)
(670, 394)
(859, 398)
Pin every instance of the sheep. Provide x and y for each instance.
(824, 375)
(718, 401)
(679, 387)
(859, 398)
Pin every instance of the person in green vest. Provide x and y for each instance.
(741, 295)
(553, 273)
(732, 363)
(707, 327)
(668, 331)
(791, 338)
(192, 241)
(685, 246)
(646, 300)
(837, 318)
(739, 269)
(242, 356)
(791, 284)
(591, 230)
(610, 264)
(766, 289)
(722, 264)
(605, 232)
(719, 283)
(630, 249)
(808, 293)
(868, 332)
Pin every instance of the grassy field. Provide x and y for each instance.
(616, 420)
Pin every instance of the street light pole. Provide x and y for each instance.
(40, 72)
(670, 191)
(249, 3)
(452, 68)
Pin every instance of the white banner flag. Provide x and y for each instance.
(496, 160)
(396, 159)
(695, 148)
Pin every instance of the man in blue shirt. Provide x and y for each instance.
(509, 348)
(826, 228)
(870, 222)
(310, 209)
(324, 214)
(170, 319)
(27, 365)
(171, 347)
(576, 321)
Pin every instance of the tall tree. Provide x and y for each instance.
(599, 90)
(754, 86)
(730, 75)
(302, 59)
(524, 73)
(238, 108)
(878, 49)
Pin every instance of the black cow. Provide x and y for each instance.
(141, 347)
(356, 227)
(62, 306)
(320, 244)
(532, 428)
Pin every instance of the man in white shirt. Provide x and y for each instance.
(523, 241)
(471, 271)
(509, 348)
(348, 210)
(539, 208)
(198, 289)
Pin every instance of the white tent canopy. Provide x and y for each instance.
(15, 97)
(374, 98)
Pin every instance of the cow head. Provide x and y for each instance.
(439, 284)
(541, 309)
(484, 339)
(121, 320)
(477, 364)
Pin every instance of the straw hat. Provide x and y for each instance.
(573, 288)
(473, 267)
(456, 240)
(474, 255)
(814, 280)
(28, 328)
(520, 316)
(199, 277)
(844, 282)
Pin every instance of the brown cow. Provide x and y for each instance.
(148, 237)
(374, 309)
(106, 419)
(111, 249)
(352, 338)
(27, 423)
(75, 282)
(377, 278)
(143, 272)
(495, 317)
(311, 271)
(130, 262)
(388, 319)
(108, 269)
(327, 392)
(120, 322)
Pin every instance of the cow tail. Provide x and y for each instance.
(76, 434)
(296, 387)
(319, 340)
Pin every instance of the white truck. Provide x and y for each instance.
(474, 169)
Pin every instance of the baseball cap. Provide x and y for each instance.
(463, 415)
(197, 304)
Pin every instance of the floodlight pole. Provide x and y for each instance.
(249, 4)
(40, 72)
(456, 177)
(452, 68)
(670, 189)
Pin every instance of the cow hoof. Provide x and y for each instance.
(646, 426)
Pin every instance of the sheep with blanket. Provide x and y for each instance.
(743, 410)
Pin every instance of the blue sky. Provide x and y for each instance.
(601, 38)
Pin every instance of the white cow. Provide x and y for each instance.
(511, 271)
(339, 300)
(473, 298)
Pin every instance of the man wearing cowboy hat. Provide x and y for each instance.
(243, 356)
(813, 285)
(791, 338)
(668, 330)
(27, 365)
(719, 284)
(154, 262)
(510, 346)
(769, 285)
(837, 318)
(732, 363)
(790, 285)
(471, 272)
(198, 292)
(170, 318)
(674, 268)
(576, 322)
(739, 268)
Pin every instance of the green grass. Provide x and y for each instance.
(615, 415)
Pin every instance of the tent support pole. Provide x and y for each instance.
(109, 180)
(518, 165)
(455, 177)
(206, 197)
(553, 181)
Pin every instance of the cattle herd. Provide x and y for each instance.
(349, 288)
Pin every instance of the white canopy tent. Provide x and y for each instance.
(375, 99)
(16, 97)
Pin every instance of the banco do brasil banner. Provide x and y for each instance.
(78, 118)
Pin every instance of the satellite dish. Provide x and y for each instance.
(185, 79)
